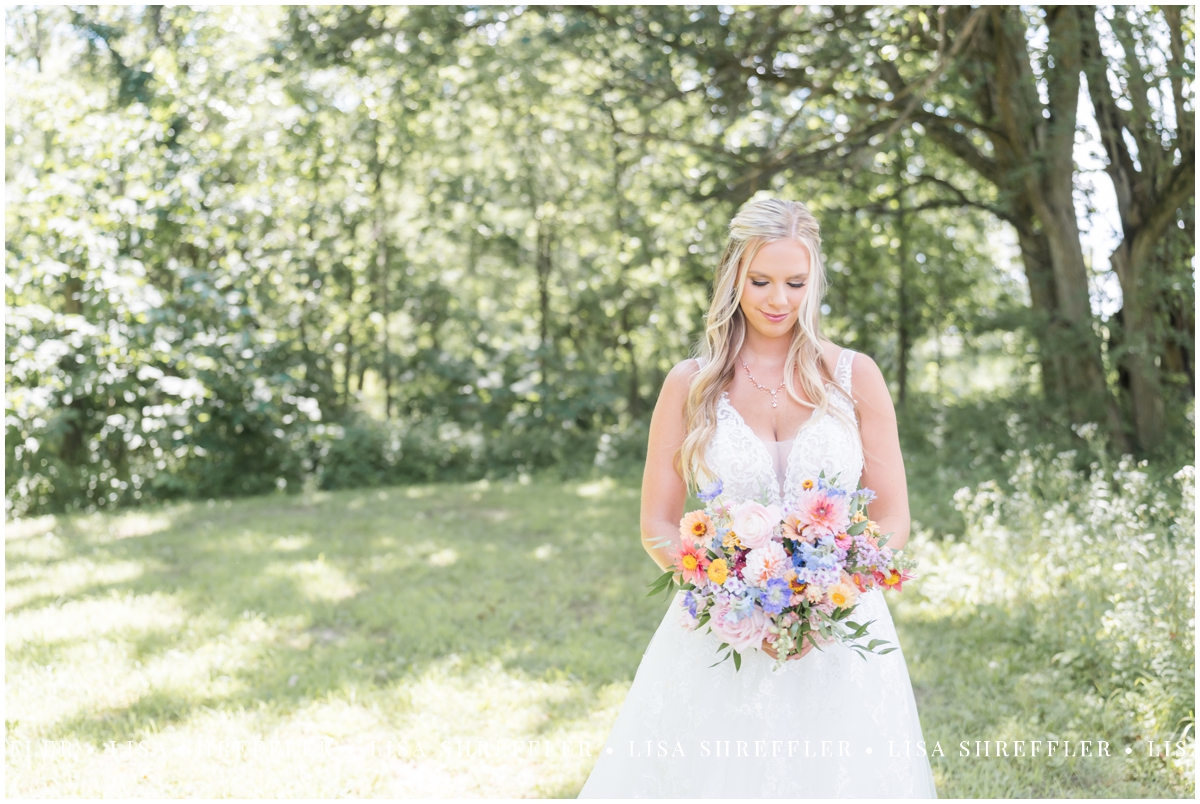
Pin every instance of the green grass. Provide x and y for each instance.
(421, 616)
(981, 678)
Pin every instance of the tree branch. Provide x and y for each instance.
(1110, 118)
(1185, 120)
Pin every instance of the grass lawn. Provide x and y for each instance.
(443, 640)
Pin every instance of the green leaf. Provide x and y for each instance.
(737, 660)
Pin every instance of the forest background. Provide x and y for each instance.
(293, 250)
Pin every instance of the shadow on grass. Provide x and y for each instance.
(269, 605)
(348, 590)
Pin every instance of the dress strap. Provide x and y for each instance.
(844, 365)
(700, 362)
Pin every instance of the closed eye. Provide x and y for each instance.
(759, 284)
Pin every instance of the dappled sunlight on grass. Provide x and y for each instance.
(92, 617)
(425, 619)
(33, 584)
(472, 640)
(317, 580)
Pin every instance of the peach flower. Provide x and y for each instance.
(696, 528)
(755, 523)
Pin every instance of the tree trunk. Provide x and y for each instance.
(545, 242)
(1047, 323)
(903, 330)
(382, 263)
(634, 398)
(1149, 195)
(1033, 168)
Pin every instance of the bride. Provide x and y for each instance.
(761, 410)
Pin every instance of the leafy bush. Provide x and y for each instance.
(1098, 567)
(368, 452)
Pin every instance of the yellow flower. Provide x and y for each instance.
(806, 485)
(858, 517)
(731, 541)
(718, 571)
(690, 562)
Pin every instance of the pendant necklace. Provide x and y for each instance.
(774, 401)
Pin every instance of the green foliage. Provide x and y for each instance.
(1094, 570)
(241, 234)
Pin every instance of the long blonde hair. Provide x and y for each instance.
(760, 222)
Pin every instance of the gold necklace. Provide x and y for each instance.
(774, 400)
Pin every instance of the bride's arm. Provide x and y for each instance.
(883, 467)
(664, 492)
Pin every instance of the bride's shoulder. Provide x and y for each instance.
(831, 353)
(679, 378)
(677, 384)
(868, 384)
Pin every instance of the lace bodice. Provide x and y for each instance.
(746, 466)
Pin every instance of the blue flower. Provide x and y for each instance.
(740, 607)
(866, 495)
(830, 488)
(776, 596)
(689, 600)
(711, 491)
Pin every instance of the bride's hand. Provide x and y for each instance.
(770, 651)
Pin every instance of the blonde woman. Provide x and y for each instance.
(768, 402)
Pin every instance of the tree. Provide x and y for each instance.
(1152, 182)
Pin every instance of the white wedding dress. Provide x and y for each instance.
(830, 725)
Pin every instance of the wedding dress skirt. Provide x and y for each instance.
(832, 724)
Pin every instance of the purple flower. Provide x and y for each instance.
(775, 596)
(866, 495)
(710, 492)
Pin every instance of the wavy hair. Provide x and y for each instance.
(760, 222)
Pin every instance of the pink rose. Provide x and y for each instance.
(747, 633)
(755, 523)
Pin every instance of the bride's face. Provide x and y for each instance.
(775, 285)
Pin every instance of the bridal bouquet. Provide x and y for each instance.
(754, 572)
